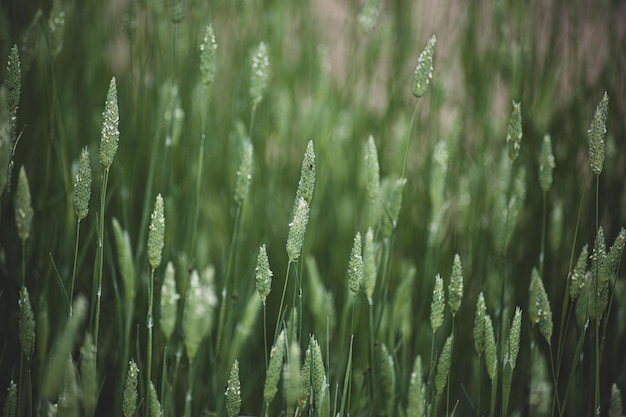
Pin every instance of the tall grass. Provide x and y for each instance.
(403, 158)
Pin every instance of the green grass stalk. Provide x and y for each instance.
(100, 255)
(74, 266)
(596, 274)
(282, 302)
(408, 140)
(150, 324)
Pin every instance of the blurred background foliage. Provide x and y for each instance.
(335, 80)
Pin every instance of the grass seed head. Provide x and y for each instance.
(273, 370)
(416, 399)
(200, 302)
(368, 17)
(615, 409)
(615, 253)
(130, 395)
(259, 73)
(13, 84)
(82, 186)
(244, 173)
(514, 337)
(355, 266)
(177, 11)
(10, 403)
(539, 306)
(263, 274)
(169, 301)
(385, 362)
(514, 132)
(208, 56)
(156, 233)
(577, 278)
(372, 169)
(154, 408)
(546, 164)
(424, 69)
(110, 133)
(455, 289)
(125, 260)
(23, 206)
(297, 229)
(437, 305)
(443, 366)
(306, 185)
(479, 325)
(491, 358)
(68, 399)
(26, 324)
(369, 265)
(292, 380)
(596, 136)
(6, 142)
(233, 391)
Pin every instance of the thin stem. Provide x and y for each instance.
(194, 223)
(23, 263)
(164, 397)
(596, 409)
(408, 140)
(100, 254)
(282, 302)
(543, 234)
(575, 361)
(494, 391)
(74, 267)
(149, 353)
(265, 333)
(372, 362)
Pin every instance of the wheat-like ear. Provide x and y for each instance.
(297, 229)
(479, 325)
(263, 274)
(23, 206)
(546, 164)
(154, 408)
(514, 132)
(110, 133)
(369, 265)
(539, 306)
(616, 409)
(368, 17)
(244, 173)
(455, 289)
(443, 366)
(156, 233)
(596, 136)
(424, 68)
(82, 186)
(130, 395)
(208, 56)
(273, 370)
(372, 169)
(169, 301)
(355, 266)
(10, 403)
(26, 324)
(491, 358)
(56, 26)
(68, 398)
(437, 305)
(416, 398)
(233, 391)
(259, 73)
(306, 185)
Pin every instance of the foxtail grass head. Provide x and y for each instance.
(596, 136)
(491, 357)
(437, 305)
(23, 206)
(169, 302)
(443, 366)
(479, 325)
(616, 409)
(368, 17)
(455, 289)
(297, 229)
(306, 185)
(263, 274)
(244, 174)
(177, 11)
(417, 398)
(424, 69)
(154, 408)
(26, 324)
(13, 84)
(82, 186)
(514, 132)
(372, 169)
(156, 233)
(355, 266)
(10, 402)
(369, 265)
(200, 302)
(513, 342)
(208, 56)
(539, 307)
(56, 27)
(259, 73)
(546, 164)
(577, 277)
(110, 133)
(233, 391)
(130, 395)
(274, 368)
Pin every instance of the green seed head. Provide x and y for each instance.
(263, 274)
(615, 254)
(129, 397)
(13, 83)
(438, 304)
(292, 380)
(369, 265)
(156, 233)
(169, 301)
(56, 26)
(415, 407)
(318, 373)
(368, 17)
(514, 133)
(10, 404)
(616, 409)
(110, 133)
(244, 174)
(208, 56)
(491, 359)
(23, 206)
(259, 73)
(539, 306)
(577, 278)
(88, 375)
(82, 186)
(68, 398)
(479, 325)
(600, 278)
(27, 324)
(443, 366)
(424, 68)
(514, 337)
(273, 370)
(306, 185)
(596, 136)
(125, 260)
(455, 289)
(154, 406)
(200, 302)
(177, 10)
(233, 391)
(6, 142)
(355, 266)
(385, 362)
(372, 169)
(546, 164)
(297, 229)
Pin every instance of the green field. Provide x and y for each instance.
(312, 208)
